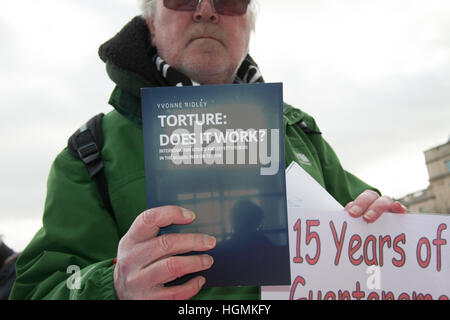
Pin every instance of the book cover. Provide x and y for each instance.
(219, 151)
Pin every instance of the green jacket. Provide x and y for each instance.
(78, 230)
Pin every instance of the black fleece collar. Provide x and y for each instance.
(131, 50)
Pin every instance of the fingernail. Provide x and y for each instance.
(209, 242)
(349, 205)
(188, 214)
(207, 261)
(355, 211)
(370, 215)
(201, 282)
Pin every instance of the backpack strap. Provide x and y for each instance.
(86, 144)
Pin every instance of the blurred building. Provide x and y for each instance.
(436, 198)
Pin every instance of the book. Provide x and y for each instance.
(218, 150)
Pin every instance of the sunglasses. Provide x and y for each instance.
(223, 7)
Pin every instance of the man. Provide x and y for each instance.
(7, 269)
(177, 43)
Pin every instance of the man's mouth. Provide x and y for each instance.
(205, 38)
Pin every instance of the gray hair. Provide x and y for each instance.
(148, 9)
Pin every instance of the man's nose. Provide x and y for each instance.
(205, 12)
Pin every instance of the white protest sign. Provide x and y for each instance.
(334, 256)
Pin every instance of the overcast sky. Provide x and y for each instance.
(374, 74)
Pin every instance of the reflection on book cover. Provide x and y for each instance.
(248, 246)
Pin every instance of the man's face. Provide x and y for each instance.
(205, 46)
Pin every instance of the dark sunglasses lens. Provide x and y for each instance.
(231, 7)
(181, 5)
(224, 7)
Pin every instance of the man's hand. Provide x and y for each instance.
(145, 262)
(371, 206)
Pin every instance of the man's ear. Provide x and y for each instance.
(151, 28)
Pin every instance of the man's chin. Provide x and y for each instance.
(208, 70)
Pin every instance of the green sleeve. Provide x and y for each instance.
(77, 231)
